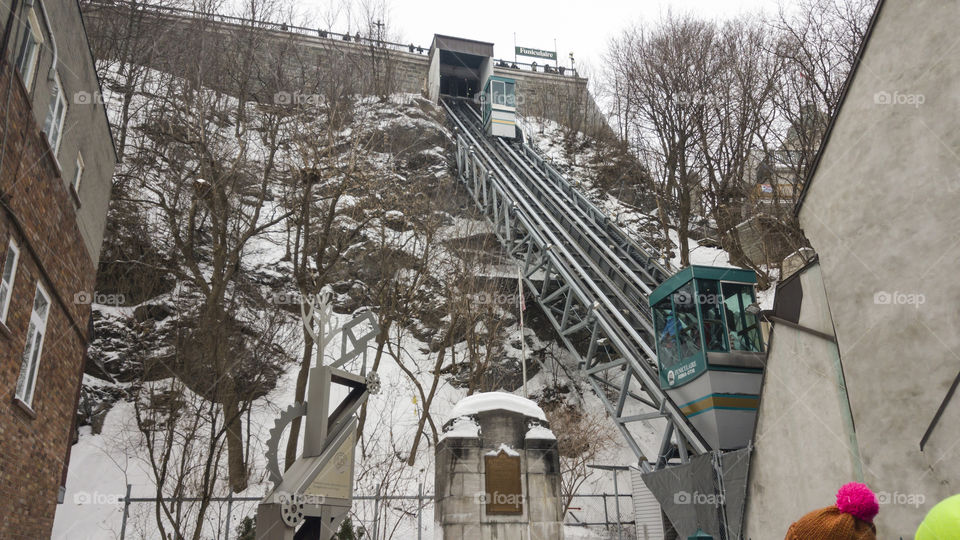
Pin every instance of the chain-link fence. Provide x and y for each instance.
(372, 517)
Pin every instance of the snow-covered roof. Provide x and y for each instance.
(463, 428)
(540, 432)
(490, 401)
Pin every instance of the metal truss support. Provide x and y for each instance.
(588, 327)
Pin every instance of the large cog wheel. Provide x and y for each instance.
(273, 443)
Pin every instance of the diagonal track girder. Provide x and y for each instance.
(585, 272)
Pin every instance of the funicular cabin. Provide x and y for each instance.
(710, 350)
(500, 107)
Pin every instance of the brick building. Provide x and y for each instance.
(56, 163)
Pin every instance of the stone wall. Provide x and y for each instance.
(309, 60)
(563, 99)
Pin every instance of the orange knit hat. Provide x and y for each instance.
(850, 519)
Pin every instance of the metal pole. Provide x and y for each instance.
(523, 341)
(376, 515)
(419, 511)
(226, 534)
(126, 508)
(616, 502)
(606, 514)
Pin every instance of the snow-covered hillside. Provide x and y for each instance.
(112, 451)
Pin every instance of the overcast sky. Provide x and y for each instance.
(581, 27)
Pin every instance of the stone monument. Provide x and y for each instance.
(498, 472)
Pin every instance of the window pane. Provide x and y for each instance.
(55, 113)
(40, 305)
(34, 364)
(665, 325)
(8, 265)
(26, 57)
(79, 173)
(743, 331)
(498, 98)
(4, 288)
(688, 329)
(709, 298)
(25, 364)
(511, 98)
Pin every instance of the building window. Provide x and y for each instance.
(6, 284)
(53, 126)
(29, 50)
(30, 363)
(78, 175)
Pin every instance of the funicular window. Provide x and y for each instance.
(743, 331)
(497, 87)
(711, 312)
(665, 324)
(688, 329)
(510, 96)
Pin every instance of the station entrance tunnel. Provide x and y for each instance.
(459, 74)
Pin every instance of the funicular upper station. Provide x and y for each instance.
(458, 66)
(464, 68)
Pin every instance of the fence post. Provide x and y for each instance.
(376, 514)
(226, 534)
(606, 515)
(126, 508)
(419, 511)
(616, 500)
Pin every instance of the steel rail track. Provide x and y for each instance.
(593, 301)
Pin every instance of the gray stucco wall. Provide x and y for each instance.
(85, 128)
(804, 437)
(883, 212)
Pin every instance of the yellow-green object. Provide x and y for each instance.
(942, 521)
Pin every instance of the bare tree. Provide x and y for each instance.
(736, 118)
(323, 225)
(582, 439)
(662, 73)
(817, 40)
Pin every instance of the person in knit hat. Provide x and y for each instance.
(942, 521)
(850, 519)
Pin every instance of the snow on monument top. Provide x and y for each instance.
(490, 401)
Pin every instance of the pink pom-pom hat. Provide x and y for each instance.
(857, 500)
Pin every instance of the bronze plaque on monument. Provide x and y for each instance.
(504, 491)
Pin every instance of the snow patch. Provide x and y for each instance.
(463, 427)
(505, 448)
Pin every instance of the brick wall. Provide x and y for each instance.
(38, 213)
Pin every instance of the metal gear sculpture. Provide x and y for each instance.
(315, 493)
(273, 443)
(373, 382)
